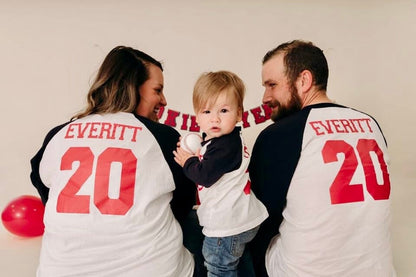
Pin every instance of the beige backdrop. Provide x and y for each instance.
(50, 51)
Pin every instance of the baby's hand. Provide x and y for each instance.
(181, 155)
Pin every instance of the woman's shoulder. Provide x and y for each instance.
(156, 127)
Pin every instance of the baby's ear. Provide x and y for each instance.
(240, 114)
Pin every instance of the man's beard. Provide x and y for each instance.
(294, 105)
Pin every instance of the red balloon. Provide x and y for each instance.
(23, 216)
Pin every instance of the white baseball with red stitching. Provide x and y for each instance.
(191, 142)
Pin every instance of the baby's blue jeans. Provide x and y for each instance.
(222, 254)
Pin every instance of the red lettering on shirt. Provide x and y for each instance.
(330, 126)
(102, 130)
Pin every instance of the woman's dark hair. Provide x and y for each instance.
(116, 86)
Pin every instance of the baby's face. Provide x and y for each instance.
(220, 117)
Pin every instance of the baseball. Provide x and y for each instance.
(191, 142)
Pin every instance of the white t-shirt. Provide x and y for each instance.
(108, 212)
(336, 219)
(228, 206)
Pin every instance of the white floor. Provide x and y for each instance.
(19, 256)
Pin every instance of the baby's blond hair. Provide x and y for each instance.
(211, 84)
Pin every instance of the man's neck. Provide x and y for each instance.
(316, 97)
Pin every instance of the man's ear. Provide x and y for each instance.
(305, 81)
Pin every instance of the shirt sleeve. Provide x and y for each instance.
(184, 195)
(37, 182)
(273, 162)
(222, 155)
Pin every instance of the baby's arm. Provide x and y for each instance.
(181, 156)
